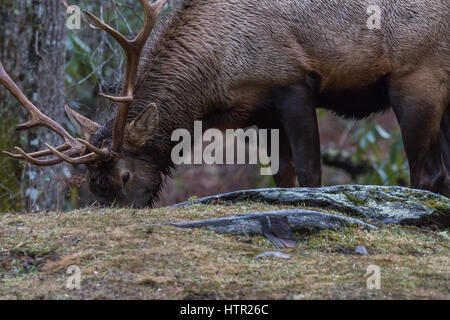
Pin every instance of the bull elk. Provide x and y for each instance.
(269, 63)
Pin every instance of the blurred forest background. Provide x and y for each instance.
(55, 66)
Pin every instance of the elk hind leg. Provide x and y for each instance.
(420, 101)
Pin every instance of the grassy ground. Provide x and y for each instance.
(122, 257)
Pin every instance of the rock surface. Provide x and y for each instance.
(361, 250)
(279, 223)
(380, 204)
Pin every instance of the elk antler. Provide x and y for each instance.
(76, 147)
(65, 152)
(133, 49)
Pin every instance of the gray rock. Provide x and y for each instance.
(361, 250)
(381, 204)
(258, 223)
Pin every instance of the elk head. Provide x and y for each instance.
(115, 175)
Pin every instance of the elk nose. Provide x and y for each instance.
(125, 178)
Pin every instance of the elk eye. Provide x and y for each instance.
(126, 178)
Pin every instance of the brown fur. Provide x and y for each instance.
(225, 62)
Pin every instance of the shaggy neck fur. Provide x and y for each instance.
(178, 72)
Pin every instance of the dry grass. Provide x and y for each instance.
(122, 257)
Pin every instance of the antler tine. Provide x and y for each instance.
(42, 163)
(91, 157)
(38, 154)
(151, 13)
(70, 146)
(133, 50)
(36, 116)
(15, 91)
(103, 152)
(124, 42)
(117, 99)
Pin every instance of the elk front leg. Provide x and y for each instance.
(285, 178)
(297, 107)
(419, 102)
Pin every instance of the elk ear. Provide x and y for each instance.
(143, 127)
(86, 128)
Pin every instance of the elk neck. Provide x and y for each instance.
(182, 76)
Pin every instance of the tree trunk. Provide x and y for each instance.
(32, 50)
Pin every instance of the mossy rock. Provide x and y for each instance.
(380, 204)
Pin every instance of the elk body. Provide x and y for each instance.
(270, 63)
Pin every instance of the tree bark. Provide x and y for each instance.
(32, 50)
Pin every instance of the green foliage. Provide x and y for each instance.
(390, 167)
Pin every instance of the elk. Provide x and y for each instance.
(269, 63)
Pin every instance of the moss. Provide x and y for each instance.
(33, 249)
(355, 200)
(119, 258)
(439, 206)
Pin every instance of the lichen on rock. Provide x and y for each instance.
(376, 203)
